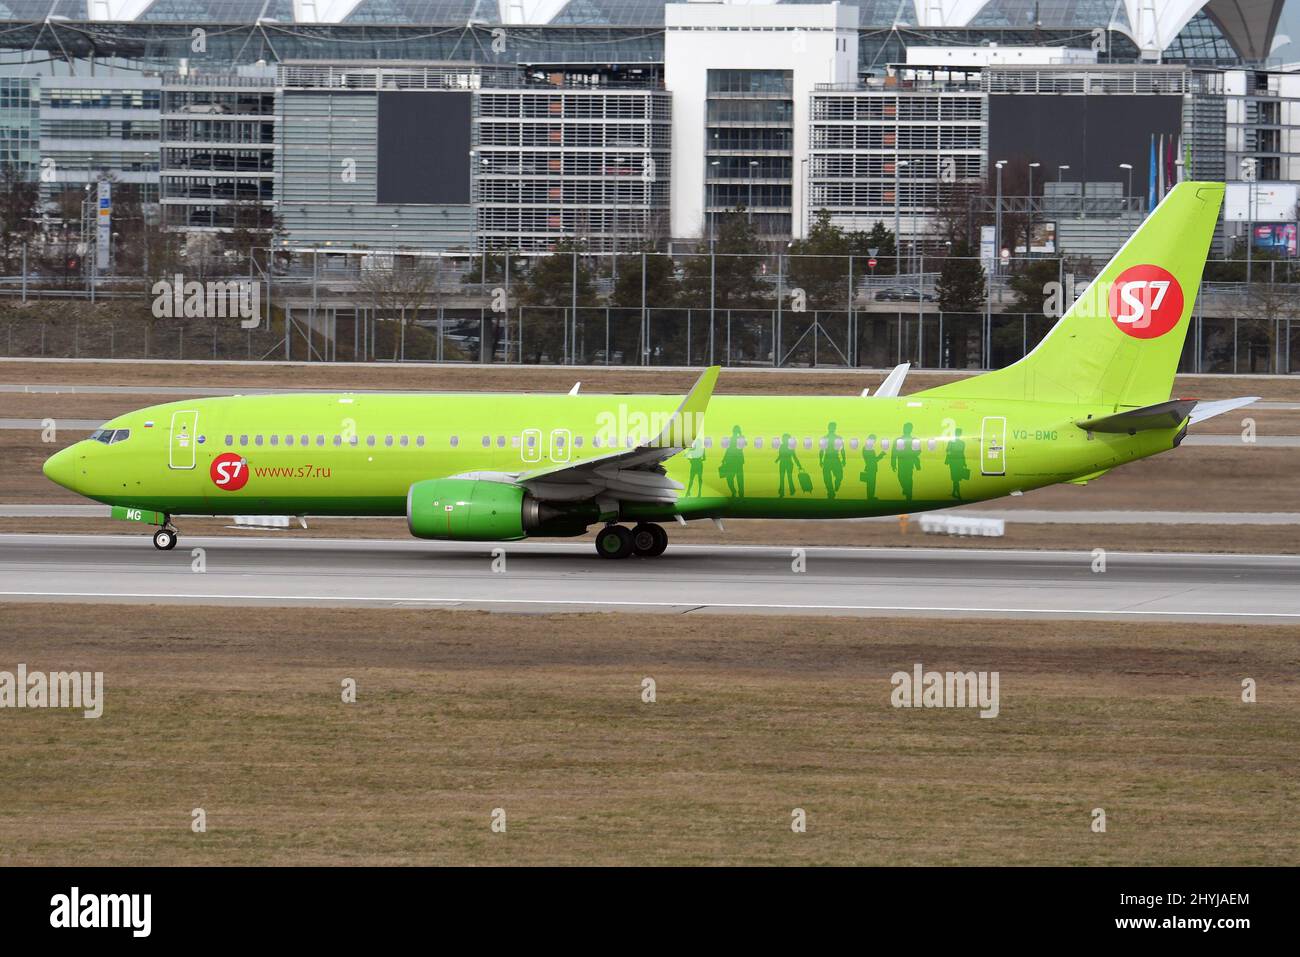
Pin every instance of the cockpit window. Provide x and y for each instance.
(102, 435)
(121, 435)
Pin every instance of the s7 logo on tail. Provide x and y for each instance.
(1145, 301)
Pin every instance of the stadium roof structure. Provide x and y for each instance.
(1152, 25)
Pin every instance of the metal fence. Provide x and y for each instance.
(769, 310)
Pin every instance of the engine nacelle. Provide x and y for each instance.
(471, 510)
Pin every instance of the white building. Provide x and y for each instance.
(742, 78)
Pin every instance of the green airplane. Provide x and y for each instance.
(1093, 395)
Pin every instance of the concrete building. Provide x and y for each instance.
(742, 79)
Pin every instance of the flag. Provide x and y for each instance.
(1151, 176)
(1170, 168)
(1160, 167)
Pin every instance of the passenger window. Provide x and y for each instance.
(305, 441)
(821, 444)
(419, 441)
(404, 441)
(388, 441)
(900, 444)
(708, 441)
(931, 444)
(514, 441)
(352, 440)
(338, 440)
(577, 441)
(807, 443)
(916, 445)
(320, 439)
(487, 441)
(758, 442)
(370, 441)
(501, 441)
(230, 440)
(595, 443)
(839, 444)
(257, 440)
(455, 441)
(275, 440)
(853, 444)
(243, 440)
(726, 441)
(288, 440)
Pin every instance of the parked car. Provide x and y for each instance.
(900, 294)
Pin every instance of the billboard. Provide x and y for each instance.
(424, 143)
(1278, 238)
(1260, 202)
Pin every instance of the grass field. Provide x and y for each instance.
(458, 713)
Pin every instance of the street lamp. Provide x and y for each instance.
(1060, 172)
(898, 203)
(753, 168)
(713, 219)
(1248, 172)
(997, 217)
(1029, 237)
(1128, 193)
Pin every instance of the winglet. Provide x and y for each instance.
(576, 386)
(681, 430)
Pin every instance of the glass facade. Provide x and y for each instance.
(19, 125)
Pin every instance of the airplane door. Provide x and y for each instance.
(560, 442)
(183, 441)
(993, 445)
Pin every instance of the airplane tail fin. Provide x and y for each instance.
(1120, 343)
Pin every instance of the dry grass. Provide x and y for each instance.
(238, 712)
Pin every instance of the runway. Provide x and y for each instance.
(734, 580)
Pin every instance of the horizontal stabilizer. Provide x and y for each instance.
(1162, 415)
(1208, 410)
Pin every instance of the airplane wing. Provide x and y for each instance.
(634, 474)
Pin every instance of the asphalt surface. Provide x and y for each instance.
(733, 580)
(1028, 516)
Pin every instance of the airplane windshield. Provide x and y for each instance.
(110, 436)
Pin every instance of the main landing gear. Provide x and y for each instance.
(645, 541)
(165, 538)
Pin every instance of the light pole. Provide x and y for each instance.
(1128, 192)
(1060, 173)
(1248, 174)
(1029, 235)
(898, 205)
(997, 218)
(753, 168)
(708, 211)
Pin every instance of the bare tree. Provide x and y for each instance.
(400, 286)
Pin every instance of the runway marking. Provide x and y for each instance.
(777, 606)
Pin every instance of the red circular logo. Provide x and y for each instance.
(229, 471)
(1146, 301)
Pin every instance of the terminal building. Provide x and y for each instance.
(469, 125)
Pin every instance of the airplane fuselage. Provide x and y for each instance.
(759, 457)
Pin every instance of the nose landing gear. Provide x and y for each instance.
(165, 538)
(646, 540)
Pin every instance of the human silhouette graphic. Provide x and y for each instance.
(732, 467)
(870, 463)
(904, 460)
(695, 455)
(786, 462)
(954, 456)
(832, 458)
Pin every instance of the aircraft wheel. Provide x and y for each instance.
(649, 540)
(164, 539)
(614, 541)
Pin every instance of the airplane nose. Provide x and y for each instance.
(61, 468)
